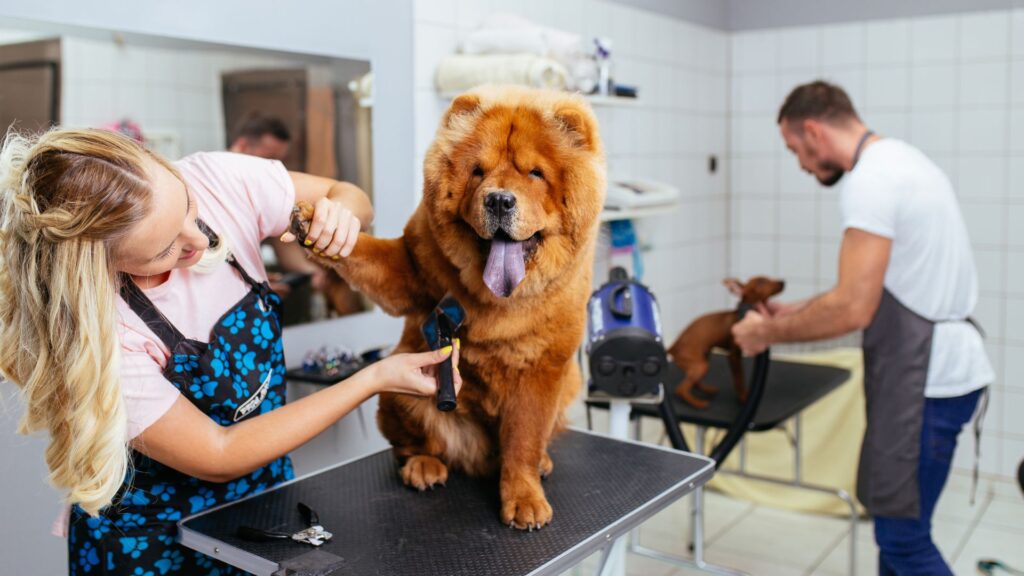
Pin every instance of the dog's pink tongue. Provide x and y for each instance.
(505, 268)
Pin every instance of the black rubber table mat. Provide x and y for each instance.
(599, 487)
(790, 388)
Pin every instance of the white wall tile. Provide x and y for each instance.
(798, 218)
(933, 86)
(754, 93)
(889, 124)
(886, 88)
(1015, 232)
(1013, 367)
(754, 217)
(753, 175)
(842, 45)
(754, 134)
(754, 51)
(1017, 129)
(990, 314)
(624, 31)
(933, 131)
(828, 264)
(933, 39)
(1014, 274)
(798, 260)
(1015, 182)
(1017, 33)
(984, 223)
(991, 271)
(753, 258)
(981, 178)
(983, 130)
(798, 48)
(793, 181)
(830, 225)
(985, 36)
(887, 42)
(984, 83)
(1013, 452)
(1014, 329)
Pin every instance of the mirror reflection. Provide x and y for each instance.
(178, 97)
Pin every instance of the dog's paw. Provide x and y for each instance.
(302, 215)
(422, 472)
(526, 512)
(546, 465)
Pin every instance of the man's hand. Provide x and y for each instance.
(751, 334)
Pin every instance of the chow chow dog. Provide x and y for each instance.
(513, 185)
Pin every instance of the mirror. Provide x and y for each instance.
(179, 97)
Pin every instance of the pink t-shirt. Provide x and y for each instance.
(244, 199)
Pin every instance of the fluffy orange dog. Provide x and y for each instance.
(514, 182)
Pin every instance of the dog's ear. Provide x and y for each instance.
(735, 286)
(463, 106)
(578, 125)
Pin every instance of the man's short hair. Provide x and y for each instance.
(818, 100)
(256, 127)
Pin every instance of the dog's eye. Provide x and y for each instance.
(478, 172)
(537, 173)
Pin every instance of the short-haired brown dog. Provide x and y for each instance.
(690, 351)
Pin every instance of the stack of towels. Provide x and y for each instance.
(509, 49)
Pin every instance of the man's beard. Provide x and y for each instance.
(833, 174)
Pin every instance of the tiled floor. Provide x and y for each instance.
(768, 541)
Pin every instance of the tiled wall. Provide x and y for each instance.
(681, 71)
(952, 86)
(162, 88)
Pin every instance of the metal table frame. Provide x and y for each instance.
(697, 510)
(602, 541)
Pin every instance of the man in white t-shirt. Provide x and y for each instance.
(907, 278)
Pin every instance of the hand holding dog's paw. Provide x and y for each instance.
(422, 472)
(331, 229)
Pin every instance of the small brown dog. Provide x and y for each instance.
(690, 351)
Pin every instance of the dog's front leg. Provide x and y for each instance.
(380, 268)
(526, 426)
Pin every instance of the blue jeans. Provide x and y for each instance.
(905, 545)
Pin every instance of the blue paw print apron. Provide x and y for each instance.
(239, 374)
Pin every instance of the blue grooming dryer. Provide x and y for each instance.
(624, 344)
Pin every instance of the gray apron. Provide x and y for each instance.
(897, 350)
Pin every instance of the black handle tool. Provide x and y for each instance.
(439, 330)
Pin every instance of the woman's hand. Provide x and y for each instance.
(414, 373)
(333, 230)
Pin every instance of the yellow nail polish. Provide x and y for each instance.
(316, 250)
(446, 350)
(335, 257)
(458, 344)
(308, 242)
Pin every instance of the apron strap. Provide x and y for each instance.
(979, 421)
(154, 319)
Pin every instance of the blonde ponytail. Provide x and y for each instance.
(67, 197)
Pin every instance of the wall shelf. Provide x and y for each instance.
(595, 100)
(607, 215)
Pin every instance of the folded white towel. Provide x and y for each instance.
(463, 71)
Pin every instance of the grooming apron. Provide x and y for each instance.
(238, 374)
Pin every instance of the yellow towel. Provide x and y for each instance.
(831, 436)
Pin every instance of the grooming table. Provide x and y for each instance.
(791, 387)
(600, 489)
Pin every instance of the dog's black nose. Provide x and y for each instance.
(500, 203)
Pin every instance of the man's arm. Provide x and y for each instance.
(849, 306)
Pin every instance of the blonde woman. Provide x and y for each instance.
(136, 318)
